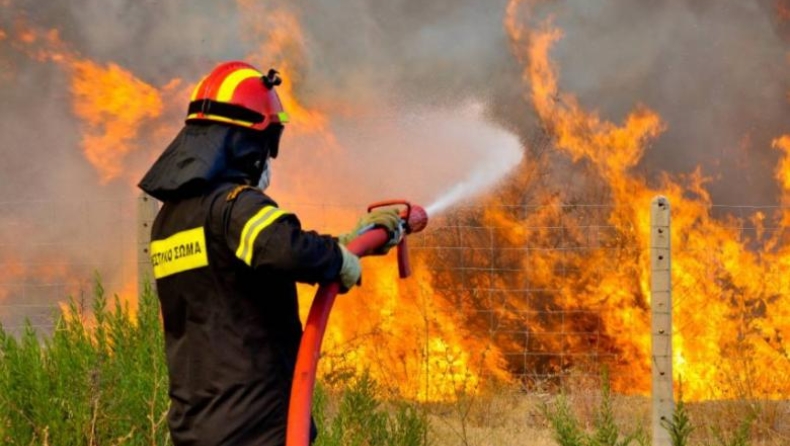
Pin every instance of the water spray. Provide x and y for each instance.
(499, 152)
(449, 198)
(413, 219)
(480, 180)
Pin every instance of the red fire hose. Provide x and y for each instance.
(298, 432)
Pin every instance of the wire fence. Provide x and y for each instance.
(521, 285)
(51, 251)
(731, 302)
(546, 296)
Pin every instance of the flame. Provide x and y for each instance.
(11, 270)
(563, 309)
(783, 168)
(21, 267)
(392, 329)
(730, 310)
(37, 276)
(113, 105)
(411, 342)
(283, 47)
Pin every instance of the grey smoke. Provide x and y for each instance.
(716, 71)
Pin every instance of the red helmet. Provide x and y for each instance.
(237, 93)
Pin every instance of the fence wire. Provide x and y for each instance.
(547, 296)
(515, 280)
(53, 250)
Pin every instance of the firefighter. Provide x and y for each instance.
(226, 261)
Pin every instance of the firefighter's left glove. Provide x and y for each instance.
(351, 271)
(388, 219)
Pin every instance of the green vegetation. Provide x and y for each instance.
(361, 419)
(730, 423)
(569, 430)
(101, 379)
(680, 427)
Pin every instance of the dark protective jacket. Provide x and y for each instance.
(226, 260)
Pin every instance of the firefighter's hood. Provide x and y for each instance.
(199, 157)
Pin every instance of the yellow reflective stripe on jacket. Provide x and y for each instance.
(252, 228)
(180, 252)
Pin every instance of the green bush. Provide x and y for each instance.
(361, 419)
(680, 427)
(568, 429)
(101, 379)
(103, 382)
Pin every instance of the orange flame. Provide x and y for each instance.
(391, 328)
(728, 321)
(732, 310)
(111, 102)
(283, 47)
(783, 168)
(413, 343)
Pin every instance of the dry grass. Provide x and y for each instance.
(716, 419)
(508, 418)
(515, 418)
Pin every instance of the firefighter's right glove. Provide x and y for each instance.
(388, 219)
(350, 272)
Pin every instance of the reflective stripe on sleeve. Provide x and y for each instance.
(252, 228)
(180, 252)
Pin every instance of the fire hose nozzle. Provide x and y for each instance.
(415, 219)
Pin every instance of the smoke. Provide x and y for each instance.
(394, 78)
(433, 156)
(387, 70)
(442, 51)
(156, 40)
(715, 71)
(396, 59)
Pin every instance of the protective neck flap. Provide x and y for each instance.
(200, 157)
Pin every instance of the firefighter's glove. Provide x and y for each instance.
(388, 219)
(350, 272)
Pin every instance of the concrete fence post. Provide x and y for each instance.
(661, 326)
(147, 208)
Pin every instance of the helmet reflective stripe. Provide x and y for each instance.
(218, 118)
(229, 85)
